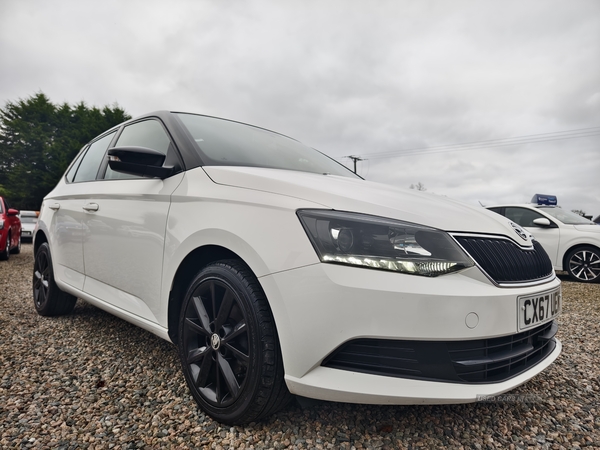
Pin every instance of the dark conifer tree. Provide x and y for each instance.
(38, 140)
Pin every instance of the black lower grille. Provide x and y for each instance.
(474, 361)
(506, 262)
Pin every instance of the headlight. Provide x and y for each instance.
(380, 243)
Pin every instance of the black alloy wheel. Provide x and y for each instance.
(217, 342)
(41, 275)
(228, 345)
(48, 299)
(583, 264)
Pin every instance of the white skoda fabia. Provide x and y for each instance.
(277, 271)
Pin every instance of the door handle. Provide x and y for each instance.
(91, 207)
(54, 206)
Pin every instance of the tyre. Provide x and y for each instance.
(228, 345)
(583, 264)
(17, 249)
(48, 299)
(5, 254)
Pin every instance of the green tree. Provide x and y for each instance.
(38, 140)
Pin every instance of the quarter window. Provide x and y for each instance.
(71, 173)
(149, 134)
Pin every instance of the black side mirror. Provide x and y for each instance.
(140, 161)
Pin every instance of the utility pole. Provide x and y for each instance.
(354, 159)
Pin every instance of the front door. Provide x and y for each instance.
(126, 219)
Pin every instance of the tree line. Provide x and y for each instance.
(38, 140)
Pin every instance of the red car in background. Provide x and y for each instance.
(10, 230)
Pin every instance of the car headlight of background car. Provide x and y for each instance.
(375, 242)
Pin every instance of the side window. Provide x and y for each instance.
(149, 134)
(522, 216)
(88, 168)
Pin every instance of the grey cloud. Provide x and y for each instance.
(347, 77)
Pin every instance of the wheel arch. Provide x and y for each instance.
(5, 247)
(39, 238)
(187, 270)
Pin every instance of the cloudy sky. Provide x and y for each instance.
(489, 101)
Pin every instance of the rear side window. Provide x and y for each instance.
(88, 168)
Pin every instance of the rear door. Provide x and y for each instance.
(66, 203)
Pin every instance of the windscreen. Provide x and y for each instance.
(567, 217)
(226, 143)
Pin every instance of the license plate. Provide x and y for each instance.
(26, 233)
(536, 309)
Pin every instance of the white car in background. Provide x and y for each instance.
(28, 222)
(571, 241)
(276, 270)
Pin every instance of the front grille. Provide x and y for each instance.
(475, 361)
(506, 262)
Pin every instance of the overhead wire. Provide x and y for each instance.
(518, 140)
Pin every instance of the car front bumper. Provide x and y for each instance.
(319, 308)
(353, 387)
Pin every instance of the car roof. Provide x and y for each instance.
(521, 205)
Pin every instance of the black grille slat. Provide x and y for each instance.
(506, 262)
(514, 353)
(489, 360)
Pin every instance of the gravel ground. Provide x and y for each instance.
(90, 380)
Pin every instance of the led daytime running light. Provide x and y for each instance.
(421, 268)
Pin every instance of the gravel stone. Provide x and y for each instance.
(92, 381)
